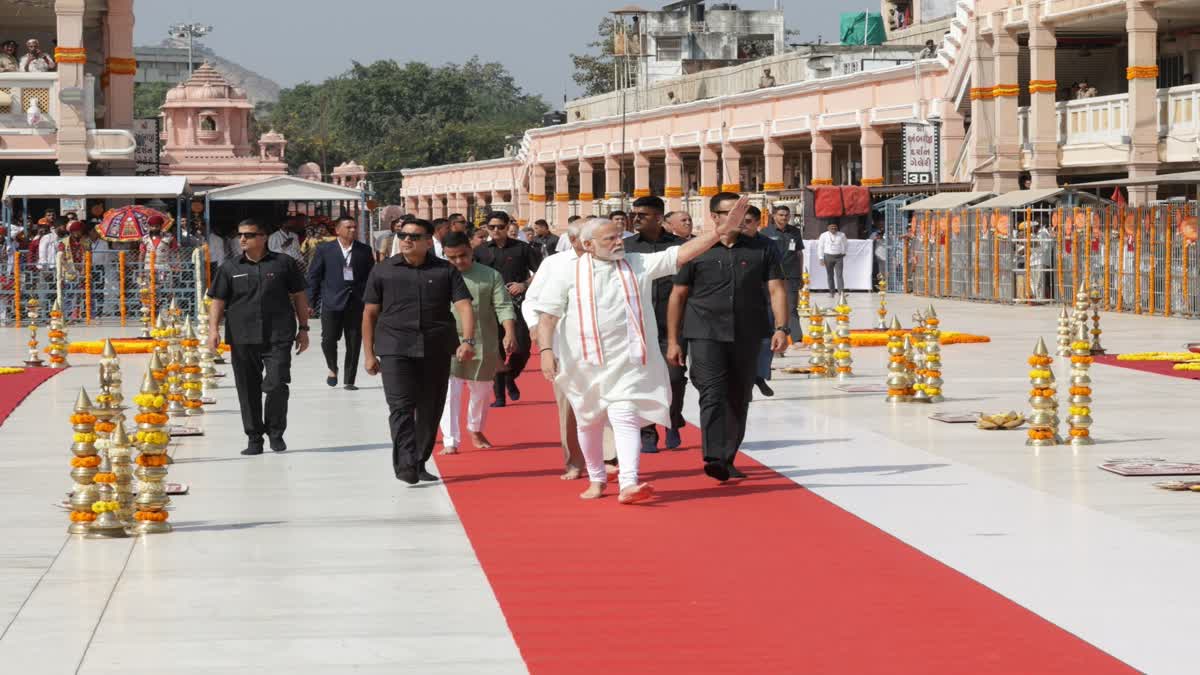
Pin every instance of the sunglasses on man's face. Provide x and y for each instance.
(498, 227)
(250, 235)
(411, 236)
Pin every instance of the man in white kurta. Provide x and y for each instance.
(599, 313)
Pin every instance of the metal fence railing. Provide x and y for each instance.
(1140, 259)
(108, 288)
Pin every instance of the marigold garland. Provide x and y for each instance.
(1159, 356)
(82, 418)
(82, 517)
(83, 437)
(105, 427)
(122, 346)
(1079, 410)
(1082, 359)
(1079, 433)
(150, 418)
(101, 507)
(1040, 361)
(1048, 392)
(1080, 391)
(105, 477)
(153, 437)
(1041, 434)
(150, 400)
(154, 516)
(151, 460)
(1039, 374)
(1193, 366)
(89, 462)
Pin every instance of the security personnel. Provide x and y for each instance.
(516, 261)
(260, 293)
(790, 240)
(652, 237)
(719, 306)
(410, 336)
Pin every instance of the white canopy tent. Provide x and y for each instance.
(287, 189)
(25, 188)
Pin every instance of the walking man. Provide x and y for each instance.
(260, 294)
(598, 315)
(516, 261)
(409, 335)
(337, 278)
(719, 307)
(831, 248)
(493, 308)
(652, 237)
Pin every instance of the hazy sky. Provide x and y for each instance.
(291, 41)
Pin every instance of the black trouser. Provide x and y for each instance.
(415, 388)
(516, 360)
(793, 298)
(678, 387)
(723, 373)
(258, 370)
(334, 324)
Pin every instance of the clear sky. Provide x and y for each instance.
(291, 41)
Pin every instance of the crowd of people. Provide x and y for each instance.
(619, 310)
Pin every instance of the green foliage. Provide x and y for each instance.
(148, 97)
(595, 72)
(388, 115)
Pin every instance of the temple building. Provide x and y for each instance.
(1025, 93)
(207, 134)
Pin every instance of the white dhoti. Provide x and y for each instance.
(477, 407)
(610, 366)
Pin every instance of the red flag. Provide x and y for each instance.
(1118, 197)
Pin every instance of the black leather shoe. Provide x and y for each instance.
(407, 475)
(351, 387)
(716, 470)
(734, 472)
(649, 446)
(513, 392)
(331, 380)
(763, 387)
(278, 445)
(426, 477)
(253, 449)
(498, 403)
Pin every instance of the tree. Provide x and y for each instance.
(148, 97)
(387, 116)
(595, 72)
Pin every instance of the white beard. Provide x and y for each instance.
(611, 257)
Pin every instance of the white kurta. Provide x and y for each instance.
(591, 388)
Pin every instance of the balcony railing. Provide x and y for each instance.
(19, 92)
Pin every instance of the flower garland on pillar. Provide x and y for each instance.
(1080, 411)
(898, 380)
(152, 439)
(83, 465)
(841, 350)
(1043, 398)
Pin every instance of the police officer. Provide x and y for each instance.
(652, 237)
(261, 294)
(516, 261)
(719, 306)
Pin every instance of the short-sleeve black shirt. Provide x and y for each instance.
(661, 293)
(257, 295)
(414, 316)
(791, 246)
(516, 261)
(727, 300)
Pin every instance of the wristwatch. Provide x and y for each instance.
(304, 328)
(468, 341)
(783, 329)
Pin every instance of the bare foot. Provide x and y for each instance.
(480, 440)
(572, 473)
(636, 493)
(594, 491)
(611, 469)
(449, 450)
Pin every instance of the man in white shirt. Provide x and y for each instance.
(831, 248)
(35, 60)
(286, 239)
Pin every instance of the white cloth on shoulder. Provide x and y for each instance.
(591, 346)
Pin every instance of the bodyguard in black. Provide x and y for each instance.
(718, 306)
(260, 294)
(410, 336)
(790, 240)
(337, 278)
(651, 237)
(516, 262)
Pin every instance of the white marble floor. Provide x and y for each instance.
(318, 561)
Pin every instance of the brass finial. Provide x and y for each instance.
(83, 404)
(150, 385)
(119, 438)
(930, 314)
(896, 323)
(155, 362)
(109, 352)
(1040, 349)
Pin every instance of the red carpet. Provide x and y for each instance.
(14, 388)
(1157, 367)
(757, 577)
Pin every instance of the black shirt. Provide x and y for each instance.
(727, 300)
(414, 317)
(546, 245)
(258, 306)
(661, 293)
(516, 261)
(790, 241)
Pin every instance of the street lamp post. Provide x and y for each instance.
(189, 32)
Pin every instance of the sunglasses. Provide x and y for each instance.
(250, 235)
(411, 236)
(497, 227)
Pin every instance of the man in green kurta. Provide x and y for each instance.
(493, 309)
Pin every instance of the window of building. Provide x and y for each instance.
(669, 48)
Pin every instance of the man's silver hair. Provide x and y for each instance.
(588, 231)
(572, 230)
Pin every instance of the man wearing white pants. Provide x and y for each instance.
(599, 313)
(493, 308)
